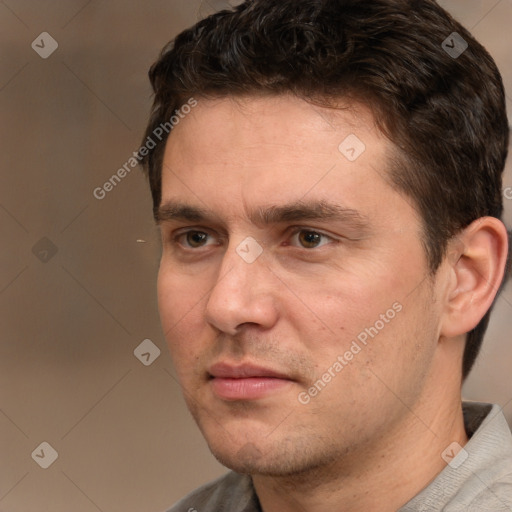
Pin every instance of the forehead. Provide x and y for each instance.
(247, 152)
(231, 123)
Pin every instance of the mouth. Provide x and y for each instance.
(246, 382)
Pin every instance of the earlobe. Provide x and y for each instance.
(477, 257)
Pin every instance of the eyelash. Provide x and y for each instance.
(296, 231)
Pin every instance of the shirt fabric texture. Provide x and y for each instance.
(478, 479)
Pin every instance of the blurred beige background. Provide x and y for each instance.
(77, 274)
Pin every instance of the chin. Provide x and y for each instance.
(284, 459)
(252, 464)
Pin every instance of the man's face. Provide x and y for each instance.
(293, 290)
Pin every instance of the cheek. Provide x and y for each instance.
(340, 308)
(179, 304)
(180, 319)
(362, 318)
(167, 299)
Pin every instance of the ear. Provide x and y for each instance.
(477, 258)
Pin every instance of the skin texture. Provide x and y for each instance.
(372, 438)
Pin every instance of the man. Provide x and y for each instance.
(326, 176)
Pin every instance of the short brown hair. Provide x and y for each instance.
(444, 112)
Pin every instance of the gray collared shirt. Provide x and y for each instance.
(478, 479)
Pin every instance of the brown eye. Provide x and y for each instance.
(310, 239)
(195, 239)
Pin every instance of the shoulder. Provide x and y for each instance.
(486, 483)
(479, 478)
(488, 469)
(495, 496)
(230, 493)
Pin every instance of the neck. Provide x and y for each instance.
(386, 475)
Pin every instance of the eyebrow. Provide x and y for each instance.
(291, 212)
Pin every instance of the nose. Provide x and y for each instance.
(244, 293)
